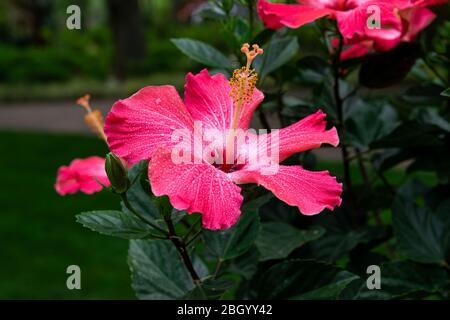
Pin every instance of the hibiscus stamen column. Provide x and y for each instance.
(242, 85)
(93, 118)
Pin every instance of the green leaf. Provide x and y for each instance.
(401, 279)
(303, 279)
(202, 52)
(277, 240)
(421, 235)
(446, 92)
(139, 194)
(245, 265)
(211, 289)
(277, 53)
(157, 271)
(235, 241)
(410, 134)
(142, 199)
(313, 69)
(368, 123)
(427, 94)
(341, 237)
(116, 224)
(431, 118)
(255, 204)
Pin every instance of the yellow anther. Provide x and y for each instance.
(251, 54)
(84, 102)
(244, 80)
(93, 118)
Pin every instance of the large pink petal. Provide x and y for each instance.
(276, 15)
(136, 126)
(310, 191)
(308, 133)
(196, 188)
(208, 100)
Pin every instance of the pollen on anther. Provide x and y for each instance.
(244, 80)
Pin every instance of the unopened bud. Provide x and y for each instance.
(117, 174)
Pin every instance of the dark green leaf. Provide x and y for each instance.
(115, 223)
(245, 265)
(400, 279)
(432, 118)
(446, 92)
(232, 242)
(424, 94)
(277, 53)
(139, 193)
(277, 240)
(341, 237)
(255, 204)
(141, 198)
(202, 52)
(303, 279)
(368, 123)
(313, 69)
(421, 234)
(211, 289)
(408, 135)
(157, 271)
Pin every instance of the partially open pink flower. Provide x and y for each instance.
(143, 126)
(400, 20)
(82, 175)
(414, 17)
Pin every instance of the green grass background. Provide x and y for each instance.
(39, 237)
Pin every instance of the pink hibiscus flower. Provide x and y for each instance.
(414, 17)
(400, 20)
(143, 126)
(82, 175)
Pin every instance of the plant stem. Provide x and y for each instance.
(182, 250)
(250, 5)
(199, 232)
(192, 228)
(218, 266)
(140, 216)
(340, 114)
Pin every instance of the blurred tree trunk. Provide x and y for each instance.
(129, 36)
(32, 17)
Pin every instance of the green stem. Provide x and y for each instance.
(199, 232)
(250, 6)
(192, 228)
(218, 266)
(140, 216)
(340, 114)
(182, 250)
